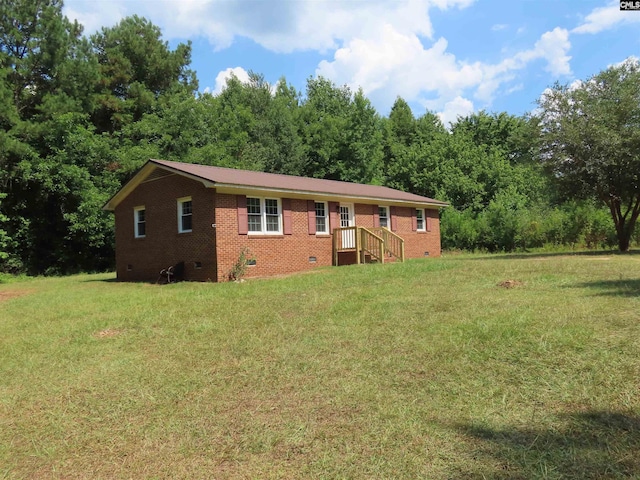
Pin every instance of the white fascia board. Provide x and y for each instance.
(141, 176)
(324, 196)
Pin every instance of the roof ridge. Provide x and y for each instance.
(269, 173)
(237, 177)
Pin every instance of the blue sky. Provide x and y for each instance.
(451, 57)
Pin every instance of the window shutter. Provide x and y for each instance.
(334, 219)
(394, 218)
(286, 216)
(243, 222)
(414, 220)
(311, 214)
(376, 216)
(428, 221)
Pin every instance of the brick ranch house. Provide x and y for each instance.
(204, 216)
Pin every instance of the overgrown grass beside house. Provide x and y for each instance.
(460, 367)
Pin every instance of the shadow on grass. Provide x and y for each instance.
(629, 287)
(526, 255)
(133, 282)
(597, 444)
(102, 280)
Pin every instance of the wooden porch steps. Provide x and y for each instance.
(372, 244)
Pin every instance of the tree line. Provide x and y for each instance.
(80, 115)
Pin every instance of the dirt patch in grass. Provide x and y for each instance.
(9, 294)
(510, 284)
(107, 333)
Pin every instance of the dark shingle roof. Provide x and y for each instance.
(272, 181)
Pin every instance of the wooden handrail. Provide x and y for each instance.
(394, 244)
(344, 238)
(375, 242)
(372, 244)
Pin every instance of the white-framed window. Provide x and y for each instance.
(139, 222)
(254, 214)
(420, 223)
(264, 215)
(322, 219)
(185, 215)
(383, 215)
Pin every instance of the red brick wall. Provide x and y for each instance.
(274, 254)
(364, 215)
(218, 249)
(416, 243)
(163, 245)
(281, 254)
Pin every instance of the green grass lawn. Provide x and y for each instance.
(427, 369)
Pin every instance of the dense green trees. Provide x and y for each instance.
(79, 115)
(340, 133)
(591, 135)
(67, 103)
(136, 67)
(46, 70)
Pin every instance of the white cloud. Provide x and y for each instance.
(575, 85)
(553, 47)
(458, 107)
(222, 77)
(499, 26)
(605, 18)
(401, 61)
(630, 59)
(394, 63)
(387, 48)
(278, 25)
(515, 88)
(99, 15)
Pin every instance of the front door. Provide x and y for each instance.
(347, 220)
